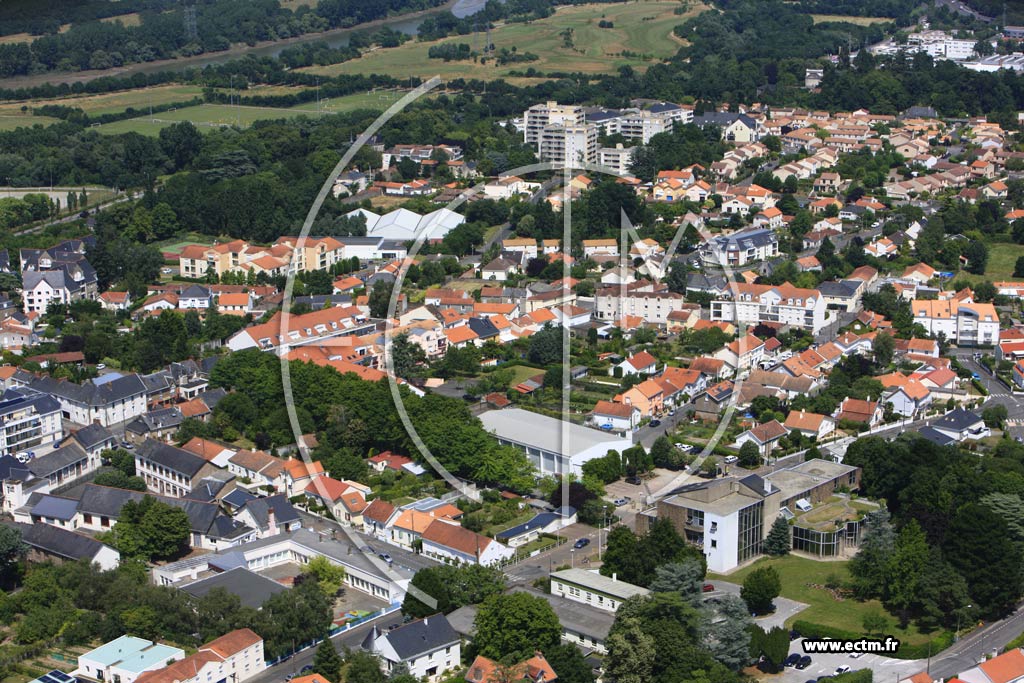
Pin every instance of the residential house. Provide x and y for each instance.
(857, 410)
(236, 657)
(448, 541)
(171, 471)
(812, 425)
(47, 543)
(298, 474)
(641, 363)
(765, 436)
(426, 648)
(269, 516)
(614, 416)
(345, 499)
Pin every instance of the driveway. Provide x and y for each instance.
(784, 607)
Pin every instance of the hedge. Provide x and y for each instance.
(980, 387)
(906, 651)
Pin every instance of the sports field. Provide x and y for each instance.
(640, 28)
(207, 117)
(859, 21)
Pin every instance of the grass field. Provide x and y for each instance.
(19, 120)
(207, 117)
(643, 28)
(130, 19)
(1002, 257)
(859, 21)
(522, 373)
(797, 572)
(112, 103)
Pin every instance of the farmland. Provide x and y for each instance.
(643, 29)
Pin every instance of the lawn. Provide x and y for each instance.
(801, 577)
(644, 29)
(114, 102)
(521, 373)
(1002, 257)
(378, 100)
(859, 21)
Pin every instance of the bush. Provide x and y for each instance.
(980, 387)
(940, 642)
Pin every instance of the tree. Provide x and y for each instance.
(363, 667)
(569, 664)
(686, 578)
(327, 662)
(869, 565)
(12, 549)
(979, 546)
(905, 590)
(631, 653)
(778, 542)
(875, 623)
(750, 455)
(294, 617)
(775, 646)
(760, 589)
(995, 416)
(546, 346)
(151, 529)
(728, 636)
(408, 357)
(329, 576)
(514, 625)
(1018, 268)
(380, 299)
(883, 348)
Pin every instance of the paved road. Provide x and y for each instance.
(972, 648)
(76, 216)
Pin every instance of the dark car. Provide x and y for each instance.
(792, 659)
(306, 669)
(794, 634)
(804, 662)
(469, 397)
(581, 543)
(655, 423)
(634, 480)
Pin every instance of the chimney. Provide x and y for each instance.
(271, 521)
(615, 576)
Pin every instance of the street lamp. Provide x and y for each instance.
(959, 615)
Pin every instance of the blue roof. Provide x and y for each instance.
(109, 377)
(55, 507)
(133, 654)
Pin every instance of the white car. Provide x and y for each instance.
(730, 459)
(841, 670)
(856, 655)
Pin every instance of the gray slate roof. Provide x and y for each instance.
(417, 637)
(64, 456)
(56, 541)
(174, 459)
(284, 512)
(92, 435)
(251, 588)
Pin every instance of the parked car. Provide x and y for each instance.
(794, 634)
(101, 366)
(581, 543)
(655, 423)
(634, 480)
(804, 662)
(684, 447)
(619, 502)
(708, 587)
(469, 397)
(856, 655)
(975, 375)
(730, 459)
(22, 457)
(672, 412)
(385, 557)
(792, 659)
(306, 669)
(841, 669)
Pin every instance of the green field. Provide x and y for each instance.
(115, 102)
(859, 21)
(642, 28)
(797, 572)
(12, 121)
(208, 117)
(1002, 257)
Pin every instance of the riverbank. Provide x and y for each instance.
(407, 23)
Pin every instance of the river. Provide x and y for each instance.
(408, 24)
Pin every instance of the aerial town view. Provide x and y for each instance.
(511, 341)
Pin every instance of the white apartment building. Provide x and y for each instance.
(569, 144)
(617, 158)
(965, 323)
(124, 659)
(741, 248)
(537, 117)
(654, 307)
(785, 304)
(591, 588)
(236, 656)
(28, 420)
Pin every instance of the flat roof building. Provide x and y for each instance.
(553, 446)
(124, 659)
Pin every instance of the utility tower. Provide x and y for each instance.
(189, 15)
